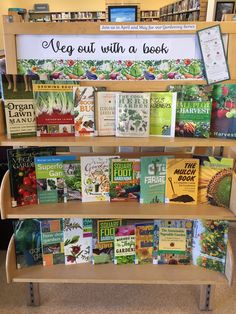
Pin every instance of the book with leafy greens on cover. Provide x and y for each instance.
(215, 179)
(132, 114)
(103, 240)
(124, 180)
(124, 245)
(182, 181)
(210, 238)
(144, 243)
(50, 178)
(72, 180)
(162, 114)
(54, 107)
(77, 242)
(27, 240)
(22, 173)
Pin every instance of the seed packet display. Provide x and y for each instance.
(124, 245)
(72, 178)
(144, 243)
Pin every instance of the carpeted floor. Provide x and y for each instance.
(106, 299)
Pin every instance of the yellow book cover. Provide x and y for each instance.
(182, 181)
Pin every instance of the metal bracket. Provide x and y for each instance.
(206, 297)
(33, 294)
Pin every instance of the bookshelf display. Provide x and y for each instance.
(128, 274)
(93, 16)
(149, 15)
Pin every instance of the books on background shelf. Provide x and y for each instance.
(72, 180)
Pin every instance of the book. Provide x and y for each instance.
(77, 242)
(162, 114)
(210, 238)
(144, 243)
(125, 180)
(182, 181)
(22, 173)
(215, 180)
(103, 240)
(132, 114)
(50, 178)
(172, 242)
(153, 179)
(193, 118)
(124, 245)
(192, 92)
(52, 238)
(105, 113)
(54, 107)
(95, 178)
(72, 180)
(27, 240)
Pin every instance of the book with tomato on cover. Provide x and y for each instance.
(77, 242)
(52, 241)
(22, 173)
(50, 178)
(124, 245)
(182, 181)
(72, 178)
(54, 107)
(162, 114)
(103, 240)
(124, 180)
(144, 243)
(215, 180)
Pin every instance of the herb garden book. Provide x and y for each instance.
(72, 177)
(132, 114)
(162, 114)
(54, 106)
(144, 243)
(124, 245)
(50, 178)
(22, 173)
(182, 181)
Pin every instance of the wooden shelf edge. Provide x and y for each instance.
(11, 261)
(5, 197)
(229, 267)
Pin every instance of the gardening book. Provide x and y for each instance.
(54, 107)
(192, 92)
(193, 118)
(144, 243)
(172, 242)
(105, 113)
(50, 178)
(210, 238)
(95, 178)
(162, 114)
(77, 241)
(153, 179)
(125, 180)
(103, 240)
(215, 179)
(72, 180)
(124, 245)
(52, 241)
(182, 181)
(22, 173)
(132, 114)
(27, 240)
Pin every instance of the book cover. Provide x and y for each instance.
(210, 238)
(193, 118)
(77, 243)
(27, 240)
(172, 242)
(125, 180)
(95, 178)
(124, 245)
(153, 179)
(52, 238)
(144, 243)
(215, 179)
(162, 114)
(103, 240)
(50, 178)
(182, 181)
(22, 173)
(54, 107)
(132, 114)
(105, 113)
(72, 180)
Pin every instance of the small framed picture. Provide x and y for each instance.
(223, 8)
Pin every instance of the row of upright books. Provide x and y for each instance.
(64, 108)
(100, 241)
(180, 6)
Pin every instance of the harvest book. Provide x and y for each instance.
(124, 245)
(72, 178)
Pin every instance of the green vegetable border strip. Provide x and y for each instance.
(184, 69)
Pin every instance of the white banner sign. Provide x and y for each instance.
(149, 27)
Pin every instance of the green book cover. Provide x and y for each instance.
(124, 245)
(72, 177)
(162, 114)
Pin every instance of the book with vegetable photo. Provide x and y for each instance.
(124, 245)
(72, 178)
(144, 243)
